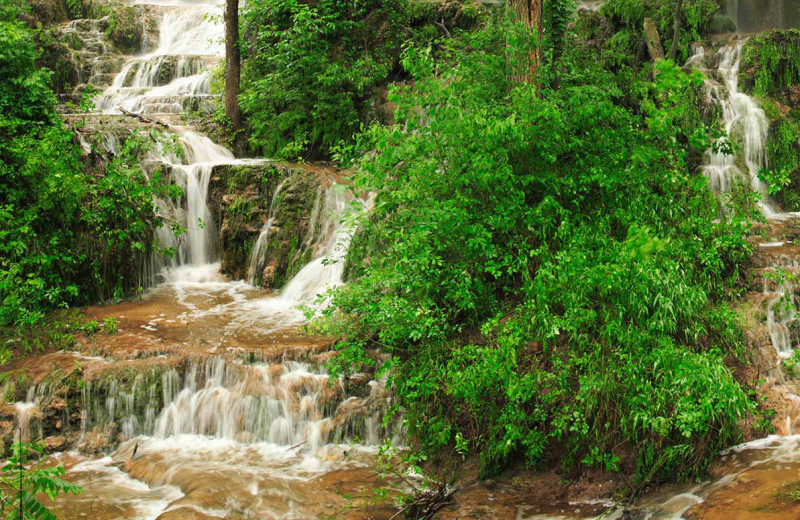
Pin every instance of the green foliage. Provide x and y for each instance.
(21, 482)
(308, 72)
(771, 63)
(627, 18)
(789, 492)
(67, 236)
(311, 69)
(544, 268)
(783, 154)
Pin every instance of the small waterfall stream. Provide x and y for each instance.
(744, 122)
(209, 403)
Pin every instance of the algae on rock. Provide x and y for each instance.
(240, 197)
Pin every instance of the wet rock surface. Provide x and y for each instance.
(241, 197)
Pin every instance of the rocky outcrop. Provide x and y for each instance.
(240, 196)
(91, 49)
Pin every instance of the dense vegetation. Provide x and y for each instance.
(627, 18)
(544, 265)
(71, 231)
(314, 70)
(771, 63)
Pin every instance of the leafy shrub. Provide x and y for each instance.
(627, 17)
(110, 325)
(544, 268)
(783, 154)
(311, 68)
(21, 483)
(67, 235)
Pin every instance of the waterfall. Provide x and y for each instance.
(258, 253)
(327, 239)
(330, 245)
(176, 73)
(743, 120)
(164, 83)
(280, 403)
(206, 377)
(746, 122)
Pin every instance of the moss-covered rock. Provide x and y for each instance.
(126, 28)
(770, 66)
(783, 152)
(240, 197)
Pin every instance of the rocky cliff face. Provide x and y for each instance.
(86, 43)
(763, 15)
(241, 198)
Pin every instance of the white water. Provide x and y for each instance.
(190, 41)
(330, 245)
(214, 415)
(258, 253)
(745, 123)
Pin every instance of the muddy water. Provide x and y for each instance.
(249, 426)
(211, 402)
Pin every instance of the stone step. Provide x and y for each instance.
(775, 254)
(785, 227)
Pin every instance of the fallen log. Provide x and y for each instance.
(144, 119)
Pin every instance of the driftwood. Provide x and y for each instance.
(427, 503)
(144, 119)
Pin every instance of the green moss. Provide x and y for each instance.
(286, 248)
(124, 29)
(771, 108)
(771, 63)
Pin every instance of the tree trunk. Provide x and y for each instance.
(529, 12)
(232, 63)
(673, 50)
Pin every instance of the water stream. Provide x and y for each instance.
(209, 402)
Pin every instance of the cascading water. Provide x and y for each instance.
(208, 402)
(327, 240)
(330, 242)
(257, 256)
(744, 122)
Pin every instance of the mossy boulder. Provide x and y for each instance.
(783, 154)
(126, 28)
(240, 197)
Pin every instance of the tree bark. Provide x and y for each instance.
(653, 41)
(673, 50)
(529, 13)
(232, 63)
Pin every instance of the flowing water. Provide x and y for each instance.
(209, 402)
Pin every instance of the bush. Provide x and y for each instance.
(70, 232)
(312, 70)
(544, 268)
(771, 63)
(627, 17)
